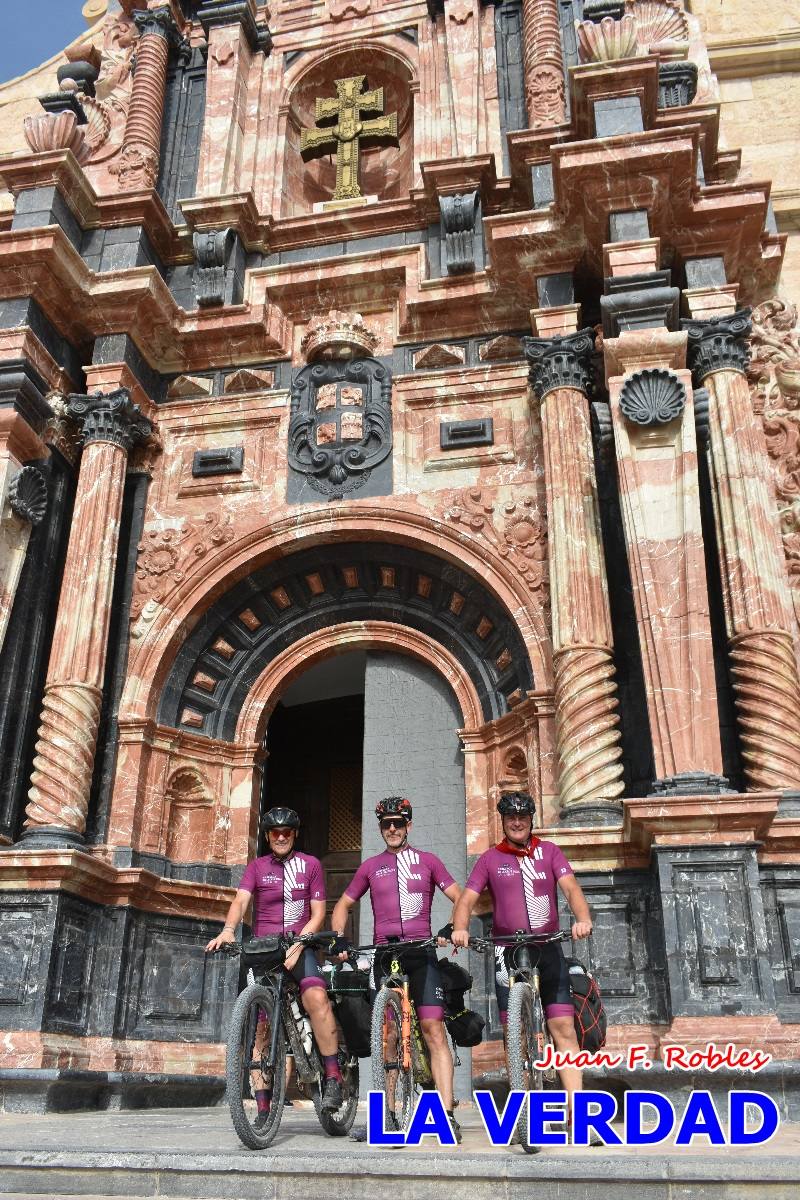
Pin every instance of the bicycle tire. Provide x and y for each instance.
(526, 1035)
(388, 1007)
(238, 1061)
(340, 1122)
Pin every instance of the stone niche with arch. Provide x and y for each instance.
(386, 170)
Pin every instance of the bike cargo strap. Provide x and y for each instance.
(590, 1015)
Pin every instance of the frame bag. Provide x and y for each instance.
(590, 1015)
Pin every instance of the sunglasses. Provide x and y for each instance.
(282, 832)
(393, 823)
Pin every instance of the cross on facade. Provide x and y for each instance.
(351, 103)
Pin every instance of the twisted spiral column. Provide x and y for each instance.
(758, 606)
(59, 793)
(587, 735)
(139, 159)
(544, 71)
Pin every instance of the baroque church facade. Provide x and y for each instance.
(395, 396)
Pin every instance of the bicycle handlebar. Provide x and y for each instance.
(520, 938)
(321, 939)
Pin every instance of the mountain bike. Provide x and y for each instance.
(268, 1022)
(401, 1065)
(527, 1035)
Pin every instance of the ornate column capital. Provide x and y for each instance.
(157, 22)
(560, 362)
(719, 345)
(109, 418)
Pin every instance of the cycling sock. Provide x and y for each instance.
(332, 1068)
(263, 1099)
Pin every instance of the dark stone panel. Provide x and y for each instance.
(36, 207)
(621, 114)
(119, 347)
(454, 435)
(510, 73)
(68, 982)
(182, 128)
(27, 921)
(119, 248)
(555, 290)
(105, 764)
(170, 989)
(542, 183)
(200, 872)
(569, 11)
(781, 892)
(23, 661)
(25, 311)
(228, 460)
(403, 357)
(180, 280)
(705, 272)
(626, 949)
(632, 226)
(283, 624)
(714, 931)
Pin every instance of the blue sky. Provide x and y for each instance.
(31, 31)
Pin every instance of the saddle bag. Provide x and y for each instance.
(590, 1016)
(463, 1024)
(349, 992)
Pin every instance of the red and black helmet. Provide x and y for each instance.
(393, 806)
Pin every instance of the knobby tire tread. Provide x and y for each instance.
(241, 1016)
(387, 998)
(525, 1020)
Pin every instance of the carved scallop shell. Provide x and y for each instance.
(27, 495)
(55, 131)
(658, 21)
(607, 40)
(652, 396)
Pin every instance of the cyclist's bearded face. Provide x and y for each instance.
(394, 831)
(517, 828)
(281, 841)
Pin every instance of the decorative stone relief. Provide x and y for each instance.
(659, 22)
(719, 345)
(340, 335)
(107, 111)
(653, 396)
(340, 10)
(27, 495)
(56, 131)
(166, 557)
(341, 424)
(560, 362)
(517, 532)
(677, 84)
(212, 248)
(459, 214)
(112, 417)
(607, 40)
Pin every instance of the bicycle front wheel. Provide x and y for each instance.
(248, 1067)
(526, 1034)
(388, 1073)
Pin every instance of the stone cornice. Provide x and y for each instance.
(744, 58)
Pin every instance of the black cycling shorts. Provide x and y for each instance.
(553, 978)
(424, 979)
(307, 970)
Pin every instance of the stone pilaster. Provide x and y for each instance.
(587, 734)
(544, 73)
(758, 608)
(656, 448)
(59, 794)
(138, 165)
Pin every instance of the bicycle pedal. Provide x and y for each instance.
(550, 1075)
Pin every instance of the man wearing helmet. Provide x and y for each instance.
(401, 883)
(521, 874)
(287, 890)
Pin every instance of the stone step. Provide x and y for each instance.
(433, 1175)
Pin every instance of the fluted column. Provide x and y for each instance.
(62, 769)
(587, 733)
(544, 71)
(758, 606)
(138, 164)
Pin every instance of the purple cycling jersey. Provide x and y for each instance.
(282, 890)
(401, 891)
(523, 890)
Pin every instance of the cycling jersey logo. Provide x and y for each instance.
(410, 902)
(292, 909)
(538, 906)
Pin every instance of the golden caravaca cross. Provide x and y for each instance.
(351, 103)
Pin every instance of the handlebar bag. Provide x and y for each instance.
(261, 954)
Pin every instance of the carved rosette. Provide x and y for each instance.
(719, 345)
(112, 417)
(587, 726)
(64, 757)
(544, 73)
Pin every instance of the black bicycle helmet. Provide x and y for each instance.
(518, 803)
(393, 806)
(279, 818)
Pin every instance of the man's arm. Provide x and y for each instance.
(461, 915)
(235, 914)
(340, 913)
(314, 922)
(582, 925)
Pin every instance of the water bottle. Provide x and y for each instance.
(306, 1036)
